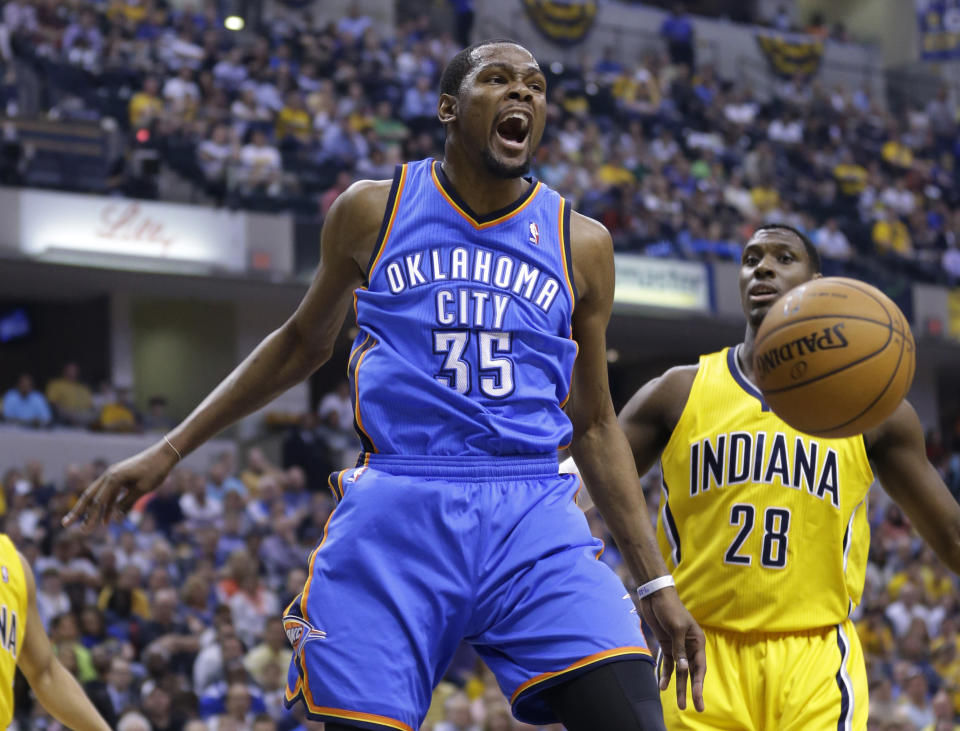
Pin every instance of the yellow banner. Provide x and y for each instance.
(953, 304)
(565, 22)
(791, 56)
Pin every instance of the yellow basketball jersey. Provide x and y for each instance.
(13, 622)
(764, 528)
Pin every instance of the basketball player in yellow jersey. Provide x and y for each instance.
(23, 643)
(765, 529)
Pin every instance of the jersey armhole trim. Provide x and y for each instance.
(389, 216)
(686, 408)
(566, 250)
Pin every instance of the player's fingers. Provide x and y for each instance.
(107, 502)
(80, 508)
(682, 671)
(699, 671)
(666, 667)
(125, 502)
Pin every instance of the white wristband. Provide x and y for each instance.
(655, 585)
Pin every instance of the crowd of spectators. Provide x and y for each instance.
(70, 403)
(674, 159)
(170, 619)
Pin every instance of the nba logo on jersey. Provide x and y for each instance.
(5, 574)
(534, 233)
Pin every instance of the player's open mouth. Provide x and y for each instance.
(762, 293)
(513, 129)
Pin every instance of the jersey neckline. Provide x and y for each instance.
(480, 221)
(733, 364)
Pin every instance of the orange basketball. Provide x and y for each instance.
(834, 357)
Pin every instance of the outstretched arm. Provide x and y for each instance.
(56, 689)
(285, 357)
(606, 463)
(899, 456)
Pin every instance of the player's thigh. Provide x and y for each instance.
(827, 688)
(730, 690)
(549, 609)
(380, 612)
(619, 696)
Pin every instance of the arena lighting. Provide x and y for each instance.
(556, 67)
(233, 22)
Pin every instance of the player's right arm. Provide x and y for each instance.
(56, 689)
(284, 358)
(652, 413)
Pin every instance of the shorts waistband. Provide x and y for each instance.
(474, 469)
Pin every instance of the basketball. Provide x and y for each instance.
(834, 357)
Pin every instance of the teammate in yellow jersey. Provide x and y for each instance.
(765, 529)
(24, 644)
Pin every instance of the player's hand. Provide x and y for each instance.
(681, 641)
(120, 486)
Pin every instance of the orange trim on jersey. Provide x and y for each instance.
(563, 258)
(384, 721)
(570, 380)
(394, 204)
(470, 219)
(313, 560)
(590, 660)
(356, 388)
(355, 350)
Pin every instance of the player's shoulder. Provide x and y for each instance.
(365, 197)
(672, 388)
(591, 251)
(588, 233)
(662, 399)
(352, 225)
(902, 427)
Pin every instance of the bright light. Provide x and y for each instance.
(233, 22)
(613, 355)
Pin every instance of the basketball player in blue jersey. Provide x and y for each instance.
(474, 288)
(765, 529)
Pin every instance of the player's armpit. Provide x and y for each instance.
(898, 453)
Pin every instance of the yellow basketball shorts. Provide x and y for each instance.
(803, 681)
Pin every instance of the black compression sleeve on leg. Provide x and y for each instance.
(618, 696)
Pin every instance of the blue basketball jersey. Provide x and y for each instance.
(465, 341)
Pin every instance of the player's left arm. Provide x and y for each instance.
(605, 459)
(899, 456)
(56, 689)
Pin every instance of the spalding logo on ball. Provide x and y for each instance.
(834, 357)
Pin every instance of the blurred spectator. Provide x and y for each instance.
(890, 236)
(72, 400)
(677, 31)
(156, 419)
(215, 155)
(25, 406)
(117, 413)
(354, 24)
(457, 717)
(915, 703)
(463, 14)
(260, 165)
(832, 242)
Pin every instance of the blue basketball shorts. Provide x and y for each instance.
(423, 553)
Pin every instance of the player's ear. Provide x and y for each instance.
(447, 109)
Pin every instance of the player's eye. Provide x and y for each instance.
(497, 80)
(751, 260)
(536, 86)
(786, 258)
